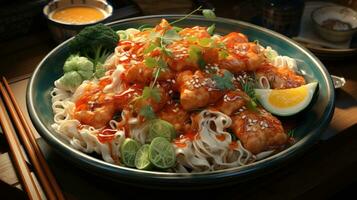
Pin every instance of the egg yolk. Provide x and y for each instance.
(287, 97)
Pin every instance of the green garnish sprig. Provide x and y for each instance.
(291, 133)
(247, 84)
(224, 82)
(147, 112)
(207, 13)
(161, 41)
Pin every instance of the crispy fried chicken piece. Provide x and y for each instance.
(258, 131)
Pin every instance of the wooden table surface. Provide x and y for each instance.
(328, 169)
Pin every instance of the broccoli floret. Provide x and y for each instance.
(95, 42)
(71, 80)
(80, 64)
(76, 70)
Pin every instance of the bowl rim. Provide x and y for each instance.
(100, 166)
(315, 11)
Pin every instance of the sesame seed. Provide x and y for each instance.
(243, 117)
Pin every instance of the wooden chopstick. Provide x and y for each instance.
(19, 161)
(41, 167)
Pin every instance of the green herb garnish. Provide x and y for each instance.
(170, 36)
(150, 48)
(291, 133)
(147, 112)
(153, 93)
(248, 88)
(211, 29)
(209, 14)
(225, 82)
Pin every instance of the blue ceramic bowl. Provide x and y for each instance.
(312, 122)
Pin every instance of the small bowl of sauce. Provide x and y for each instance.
(335, 23)
(67, 17)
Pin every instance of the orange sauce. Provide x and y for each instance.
(221, 137)
(106, 135)
(78, 15)
(233, 145)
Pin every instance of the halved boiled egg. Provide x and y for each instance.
(286, 102)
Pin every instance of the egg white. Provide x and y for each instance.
(263, 96)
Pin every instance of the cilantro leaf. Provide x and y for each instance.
(225, 82)
(147, 112)
(211, 29)
(170, 36)
(195, 55)
(150, 62)
(192, 38)
(194, 52)
(205, 42)
(167, 52)
(153, 93)
(162, 64)
(153, 36)
(150, 48)
(209, 14)
(223, 54)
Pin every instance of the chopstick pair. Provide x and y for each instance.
(42, 170)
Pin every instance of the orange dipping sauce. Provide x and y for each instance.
(78, 15)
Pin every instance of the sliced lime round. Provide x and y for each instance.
(128, 151)
(142, 160)
(161, 128)
(162, 153)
